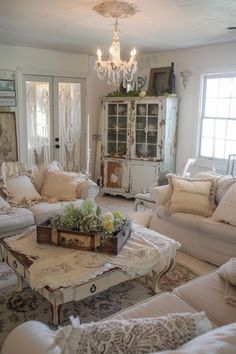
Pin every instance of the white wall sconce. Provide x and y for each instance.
(185, 76)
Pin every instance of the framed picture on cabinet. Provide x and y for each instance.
(8, 140)
(158, 80)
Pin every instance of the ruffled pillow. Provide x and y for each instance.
(20, 191)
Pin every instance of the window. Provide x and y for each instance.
(218, 117)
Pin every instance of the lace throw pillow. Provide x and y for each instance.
(137, 336)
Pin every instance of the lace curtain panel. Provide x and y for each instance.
(69, 125)
(38, 120)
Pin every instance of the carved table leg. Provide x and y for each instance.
(19, 286)
(56, 312)
(153, 280)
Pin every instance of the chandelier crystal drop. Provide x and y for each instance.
(116, 69)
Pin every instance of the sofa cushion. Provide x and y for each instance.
(137, 336)
(43, 211)
(206, 226)
(206, 293)
(20, 190)
(191, 196)
(155, 306)
(226, 210)
(59, 185)
(15, 220)
(221, 340)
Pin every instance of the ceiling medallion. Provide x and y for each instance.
(116, 69)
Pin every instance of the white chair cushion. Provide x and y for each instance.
(44, 211)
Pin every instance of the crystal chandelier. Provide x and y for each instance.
(116, 69)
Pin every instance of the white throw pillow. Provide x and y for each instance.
(222, 186)
(142, 218)
(139, 336)
(226, 210)
(228, 271)
(192, 196)
(38, 171)
(221, 340)
(59, 186)
(21, 191)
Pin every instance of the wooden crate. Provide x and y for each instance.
(81, 240)
(70, 239)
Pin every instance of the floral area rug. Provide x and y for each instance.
(16, 308)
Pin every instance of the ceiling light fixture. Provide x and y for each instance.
(117, 70)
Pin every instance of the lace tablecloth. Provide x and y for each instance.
(54, 266)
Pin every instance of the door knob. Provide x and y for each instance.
(56, 139)
(57, 146)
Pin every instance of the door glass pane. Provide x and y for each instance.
(152, 123)
(152, 137)
(111, 122)
(111, 135)
(207, 147)
(69, 124)
(141, 150)
(141, 123)
(153, 109)
(140, 136)
(122, 122)
(38, 121)
(122, 135)
(111, 148)
(121, 149)
(208, 128)
(152, 150)
(141, 109)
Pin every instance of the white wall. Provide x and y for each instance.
(207, 59)
(26, 60)
(214, 58)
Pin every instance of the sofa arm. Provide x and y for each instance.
(159, 194)
(87, 189)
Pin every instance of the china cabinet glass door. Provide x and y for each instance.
(117, 124)
(146, 131)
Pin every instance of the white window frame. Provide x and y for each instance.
(202, 117)
(208, 162)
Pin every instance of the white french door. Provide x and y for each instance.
(55, 120)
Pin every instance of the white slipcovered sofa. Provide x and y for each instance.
(22, 205)
(209, 238)
(205, 293)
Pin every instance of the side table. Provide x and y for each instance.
(145, 200)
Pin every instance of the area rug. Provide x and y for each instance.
(16, 308)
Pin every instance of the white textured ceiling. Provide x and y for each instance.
(73, 26)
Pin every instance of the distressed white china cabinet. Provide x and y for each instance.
(138, 142)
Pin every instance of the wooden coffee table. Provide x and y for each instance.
(20, 263)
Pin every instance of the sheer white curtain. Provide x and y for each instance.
(38, 121)
(69, 125)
